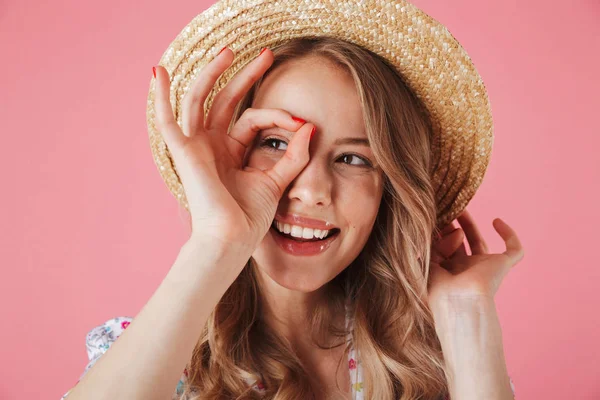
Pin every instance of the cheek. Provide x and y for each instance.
(360, 193)
(359, 203)
(360, 216)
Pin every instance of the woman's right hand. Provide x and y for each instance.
(228, 204)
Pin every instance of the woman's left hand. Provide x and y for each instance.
(456, 275)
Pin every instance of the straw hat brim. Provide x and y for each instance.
(433, 63)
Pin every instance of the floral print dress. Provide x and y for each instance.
(101, 337)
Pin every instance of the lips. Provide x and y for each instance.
(303, 247)
(297, 219)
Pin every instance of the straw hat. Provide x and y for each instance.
(434, 65)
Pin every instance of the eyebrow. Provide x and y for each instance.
(353, 140)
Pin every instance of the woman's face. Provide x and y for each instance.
(335, 186)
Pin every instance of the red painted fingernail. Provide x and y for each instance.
(222, 50)
(154, 71)
(262, 51)
(312, 133)
(298, 119)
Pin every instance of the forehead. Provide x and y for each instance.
(316, 90)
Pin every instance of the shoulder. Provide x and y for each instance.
(102, 336)
(99, 339)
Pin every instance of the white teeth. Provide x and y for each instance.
(300, 232)
(297, 232)
(307, 233)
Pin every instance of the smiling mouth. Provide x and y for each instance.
(334, 232)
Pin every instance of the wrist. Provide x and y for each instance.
(220, 243)
(202, 260)
(463, 305)
(460, 311)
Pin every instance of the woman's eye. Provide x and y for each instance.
(268, 144)
(363, 161)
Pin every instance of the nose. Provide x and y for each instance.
(312, 186)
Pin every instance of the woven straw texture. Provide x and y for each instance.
(424, 52)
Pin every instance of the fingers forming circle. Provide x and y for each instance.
(293, 161)
(251, 122)
(225, 102)
(193, 102)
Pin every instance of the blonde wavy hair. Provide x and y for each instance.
(386, 285)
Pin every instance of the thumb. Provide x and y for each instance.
(294, 160)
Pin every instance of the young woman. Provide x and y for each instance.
(316, 267)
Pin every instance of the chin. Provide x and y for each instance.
(294, 280)
(301, 277)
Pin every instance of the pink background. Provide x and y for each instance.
(89, 229)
